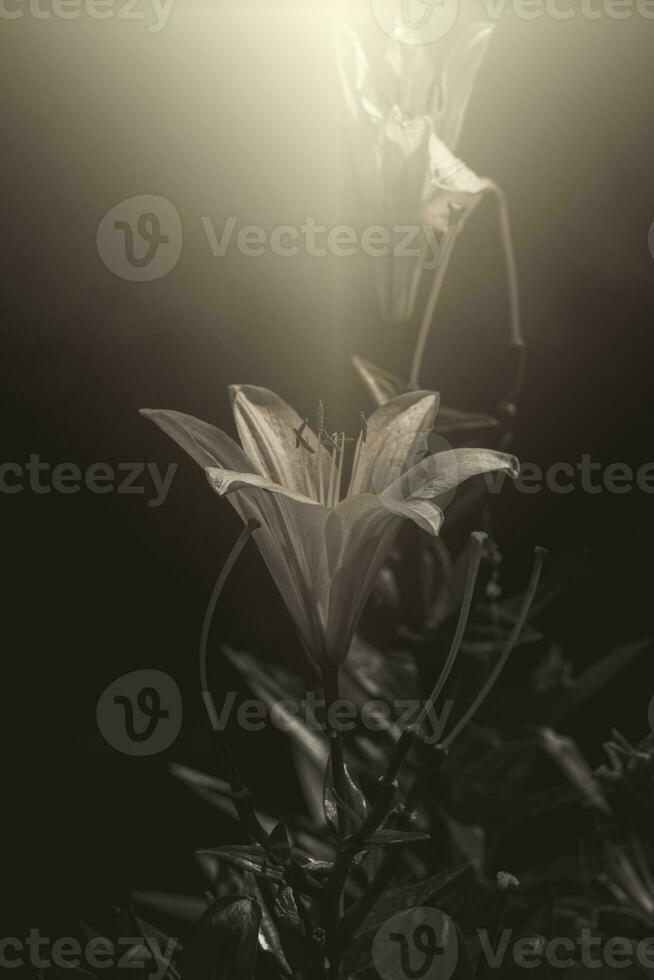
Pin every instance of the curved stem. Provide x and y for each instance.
(516, 335)
(333, 889)
(428, 316)
(515, 317)
(421, 782)
(241, 795)
(478, 539)
(232, 558)
(506, 652)
(386, 871)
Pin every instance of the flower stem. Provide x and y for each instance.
(478, 539)
(245, 535)
(241, 795)
(515, 319)
(388, 783)
(425, 325)
(516, 337)
(333, 891)
(330, 677)
(537, 568)
(385, 873)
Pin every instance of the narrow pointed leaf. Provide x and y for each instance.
(280, 845)
(597, 676)
(567, 755)
(186, 908)
(224, 943)
(412, 895)
(392, 838)
(247, 857)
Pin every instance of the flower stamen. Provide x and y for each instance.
(329, 441)
(320, 416)
(339, 474)
(332, 472)
(300, 441)
(357, 457)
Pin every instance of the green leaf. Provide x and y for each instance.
(270, 943)
(271, 693)
(597, 676)
(224, 943)
(568, 757)
(216, 791)
(412, 895)
(280, 845)
(253, 859)
(368, 674)
(186, 908)
(391, 838)
(247, 857)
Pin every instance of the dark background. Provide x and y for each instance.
(96, 586)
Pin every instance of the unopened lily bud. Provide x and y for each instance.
(506, 882)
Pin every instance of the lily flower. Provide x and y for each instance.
(324, 546)
(406, 127)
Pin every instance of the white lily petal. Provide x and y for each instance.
(453, 183)
(361, 97)
(425, 513)
(397, 436)
(458, 78)
(369, 532)
(413, 72)
(381, 384)
(291, 540)
(441, 473)
(204, 443)
(396, 179)
(283, 538)
(228, 481)
(268, 429)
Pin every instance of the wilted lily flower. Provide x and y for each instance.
(406, 125)
(322, 544)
